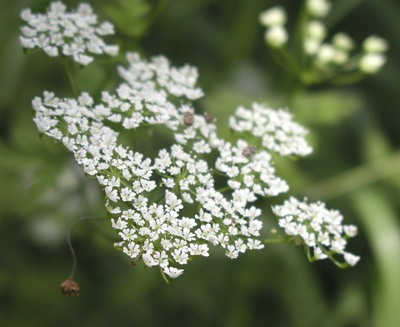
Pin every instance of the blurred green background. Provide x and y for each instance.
(355, 168)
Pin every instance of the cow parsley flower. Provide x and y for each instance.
(59, 32)
(158, 233)
(318, 8)
(375, 44)
(318, 228)
(276, 36)
(275, 129)
(371, 63)
(275, 16)
(193, 211)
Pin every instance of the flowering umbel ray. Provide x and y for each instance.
(68, 33)
(191, 211)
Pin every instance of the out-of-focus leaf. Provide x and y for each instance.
(376, 143)
(350, 305)
(130, 16)
(340, 10)
(222, 103)
(325, 107)
(380, 222)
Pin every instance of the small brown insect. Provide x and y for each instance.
(70, 287)
(188, 118)
(209, 118)
(249, 150)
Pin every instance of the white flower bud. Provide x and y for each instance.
(318, 8)
(311, 46)
(375, 44)
(350, 230)
(26, 14)
(273, 17)
(316, 30)
(351, 259)
(340, 57)
(370, 63)
(342, 41)
(326, 54)
(276, 36)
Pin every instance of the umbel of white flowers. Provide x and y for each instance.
(191, 214)
(74, 33)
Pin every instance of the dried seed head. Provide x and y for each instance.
(249, 150)
(188, 118)
(70, 287)
(209, 118)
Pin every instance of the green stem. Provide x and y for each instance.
(160, 6)
(356, 178)
(71, 248)
(298, 34)
(224, 189)
(286, 59)
(162, 175)
(277, 240)
(348, 78)
(341, 10)
(164, 276)
(69, 76)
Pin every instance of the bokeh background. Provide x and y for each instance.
(355, 167)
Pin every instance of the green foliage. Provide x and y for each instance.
(327, 106)
(130, 16)
(381, 225)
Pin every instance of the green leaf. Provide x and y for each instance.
(325, 107)
(380, 222)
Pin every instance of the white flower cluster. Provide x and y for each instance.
(373, 57)
(318, 8)
(164, 233)
(250, 173)
(319, 228)
(338, 54)
(193, 212)
(275, 129)
(274, 20)
(74, 33)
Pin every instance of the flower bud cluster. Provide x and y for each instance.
(74, 33)
(318, 228)
(338, 54)
(168, 233)
(170, 208)
(318, 8)
(275, 129)
(325, 59)
(373, 57)
(274, 20)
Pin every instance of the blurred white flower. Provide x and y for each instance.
(273, 17)
(316, 30)
(371, 63)
(276, 36)
(342, 41)
(74, 33)
(375, 44)
(318, 8)
(319, 228)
